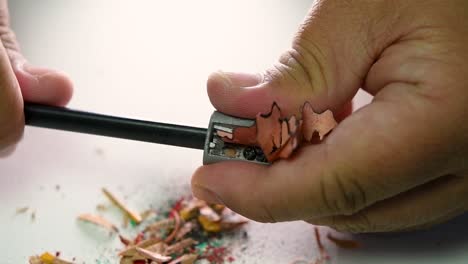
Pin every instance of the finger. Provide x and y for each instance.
(40, 85)
(11, 104)
(424, 206)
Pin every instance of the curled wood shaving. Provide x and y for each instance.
(313, 122)
(98, 220)
(152, 255)
(185, 259)
(133, 215)
(180, 246)
(344, 243)
(177, 221)
(278, 136)
(131, 250)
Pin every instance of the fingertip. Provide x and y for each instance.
(57, 86)
(43, 85)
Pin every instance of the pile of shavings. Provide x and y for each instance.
(191, 230)
(279, 136)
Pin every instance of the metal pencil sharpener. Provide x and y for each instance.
(216, 149)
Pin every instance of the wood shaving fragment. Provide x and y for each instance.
(184, 230)
(278, 136)
(98, 220)
(33, 216)
(191, 210)
(210, 214)
(218, 208)
(185, 259)
(344, 243)
(125, 241)
(22, 210)
(177, 221)
(180, 246)
(160, 225)
(101, 207)
(313, 122)
(47, 258)
(209, 226)
(146, 214)
(133, 215)
(125, 221)
(152, 255)
(131, 250)
(159, 247)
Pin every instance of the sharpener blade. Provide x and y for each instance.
(217, 150)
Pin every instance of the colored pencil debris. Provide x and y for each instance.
(189, 231)
(130, 213)
(47, 258)
(279, 136)
(186, 231)
(99, 221)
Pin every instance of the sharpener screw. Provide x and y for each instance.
(249, 153)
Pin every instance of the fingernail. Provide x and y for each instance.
(24, 75)
(205, 194)
(222, 78)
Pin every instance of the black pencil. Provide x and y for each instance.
(90, 123)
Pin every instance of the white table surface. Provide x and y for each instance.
(150, 59)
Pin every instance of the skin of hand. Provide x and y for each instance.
(397, 164)
(20, 81)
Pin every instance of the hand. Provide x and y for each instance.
(20, 82)
(401, 162)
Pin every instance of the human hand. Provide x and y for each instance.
(399, 163)
(19, 81)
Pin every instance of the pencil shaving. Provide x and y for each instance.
(99, 221)
(133, 215)
(180, 246)
(47, 258)
(278, 136)
(185, 259)
(152, 255)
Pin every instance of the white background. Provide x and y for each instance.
(150, 59)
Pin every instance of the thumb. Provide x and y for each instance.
(326, 65)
